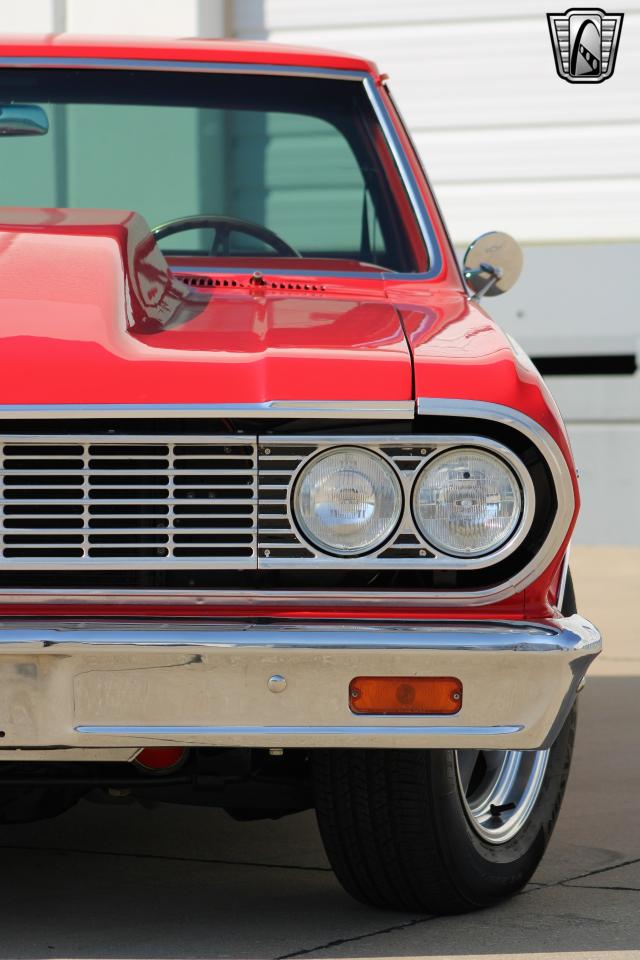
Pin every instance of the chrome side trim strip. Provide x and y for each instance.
(301, 736)
(299, 409)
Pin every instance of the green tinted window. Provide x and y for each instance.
(273, 152)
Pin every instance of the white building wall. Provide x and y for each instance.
(32, 16)
(154, 18)
(478, 87)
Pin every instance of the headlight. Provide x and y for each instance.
(347, 501)
(467, 502)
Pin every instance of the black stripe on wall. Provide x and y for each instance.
(613, 364)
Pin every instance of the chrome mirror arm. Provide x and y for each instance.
(495, 274)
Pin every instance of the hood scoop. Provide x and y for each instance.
(91, 313)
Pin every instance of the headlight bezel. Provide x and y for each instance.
(316, 542)
(522, 502)
(406, 548)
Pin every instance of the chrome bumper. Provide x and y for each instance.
(131, 684)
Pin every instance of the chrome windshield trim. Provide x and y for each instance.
(407, 175)
(270, 409)
(184, 66)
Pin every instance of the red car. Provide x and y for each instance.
(285, 516)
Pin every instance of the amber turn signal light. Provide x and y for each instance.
(405, 695)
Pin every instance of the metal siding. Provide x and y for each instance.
(30, 16)
(530, 154)
(557, 210)
(506, 141)
(168, 18)
(608, 458)
(563, 302)
(352, 15)
(131, 17)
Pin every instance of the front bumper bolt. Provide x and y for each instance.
(277, 683)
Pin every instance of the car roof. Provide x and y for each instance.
(55, 46)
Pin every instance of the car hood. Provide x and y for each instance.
(90, 314)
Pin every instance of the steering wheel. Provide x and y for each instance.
(223, 226)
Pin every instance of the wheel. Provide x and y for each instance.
(440, 831)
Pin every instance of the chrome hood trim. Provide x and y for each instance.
(271, 409)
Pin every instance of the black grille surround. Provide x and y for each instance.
(201, 569)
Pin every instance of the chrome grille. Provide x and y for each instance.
(144, 502)
(196, 502)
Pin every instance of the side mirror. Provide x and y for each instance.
(492, 264)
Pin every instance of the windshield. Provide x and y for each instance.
(267, 166)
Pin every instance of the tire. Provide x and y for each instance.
(400, 832)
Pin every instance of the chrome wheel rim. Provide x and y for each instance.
(499, 789)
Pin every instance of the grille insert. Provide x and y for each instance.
(143, 502)
(281, 545)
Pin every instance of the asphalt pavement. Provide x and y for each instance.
(182, 882)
